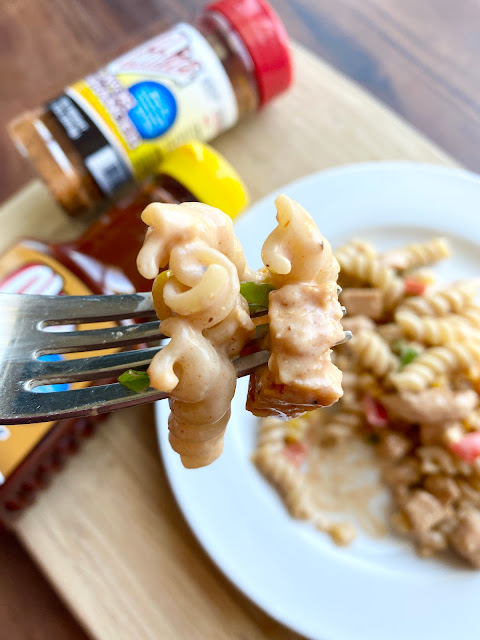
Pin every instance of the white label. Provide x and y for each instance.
(169, 90)
(33, 279)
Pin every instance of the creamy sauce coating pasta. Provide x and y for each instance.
(199, 302)
(208, 324)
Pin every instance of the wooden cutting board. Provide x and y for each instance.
(108, 532)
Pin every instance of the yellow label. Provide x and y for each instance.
(25, 269)
(171, 89)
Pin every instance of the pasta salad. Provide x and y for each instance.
(411, 391)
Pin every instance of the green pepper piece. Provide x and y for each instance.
(135, 380)
(407, 355)
(256, 294)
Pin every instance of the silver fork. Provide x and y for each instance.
(25, 337)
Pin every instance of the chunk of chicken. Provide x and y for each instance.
(443, 433)
(431, 405)
(304, 326)
(365, 302)
(394, 445)
(424, 510)
(443, 488)
(465, 538)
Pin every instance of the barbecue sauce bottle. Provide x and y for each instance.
(101, 261)
(191, 82)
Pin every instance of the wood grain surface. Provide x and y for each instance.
(107, 532)
(418, 57)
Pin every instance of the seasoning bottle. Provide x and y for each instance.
(101, 261)
(115, 125)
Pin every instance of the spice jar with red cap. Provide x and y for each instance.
(114, 126)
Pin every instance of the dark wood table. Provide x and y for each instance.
(418, 57)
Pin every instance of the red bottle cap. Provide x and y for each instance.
(266, 40)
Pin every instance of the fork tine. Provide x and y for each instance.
(37, 407)
(92, 368)
(77, 309)
(348, 335)
(91, 339)
(20, 370)
(247, 364)
(29, 407)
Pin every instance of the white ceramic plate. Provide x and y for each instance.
(375, 589)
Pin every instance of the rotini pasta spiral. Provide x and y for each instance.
(416, 255)
(356, 246)
(234, 331)
(433, 331)
(197, 428)
(201, 293)
(275, 434)
(171, 225)
(368, 270)
(435, 362)
(442, 302)
(472, 316)
(340, 427)
(187, 352)
(296, 251)
(201, 383)
(295, 430)
(289, 482)
(373, 353)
